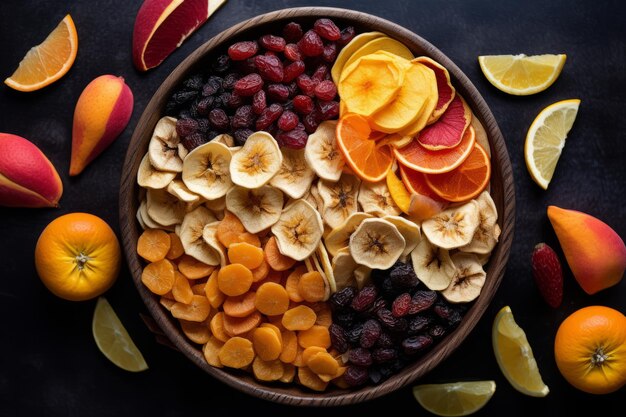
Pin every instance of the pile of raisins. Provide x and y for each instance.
(384, 326)
(279, 84)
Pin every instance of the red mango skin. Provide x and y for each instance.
(102, 112)
(595, 253)
(27, 177)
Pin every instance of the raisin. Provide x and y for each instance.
(403, 276)
(342, 298)
(325, 90)
(328, 110)
(278, 92)
(449, 315)
(221, 64)
(418, 324)
(230, 80)
(310, 123)
(422, 300)
(244, 117)
(360, 356)
(182, 97)
(303, 104)
(292, 52)
(437, 331)
(184, 114)
(204, 105)
(370, 334)
(213, 86)
(194, 82)
(268, 116)
(379, 303)
(193, 110)
(224, 98)
(234, 100)
(292, 32)
(338, 338)
(219, 120)
(354, 333)
(212, 134)
(170, 107)
(401, 305)
(247, 66)
(385, 340)
(294, 139)
(288, 121)
(259, 102)
(355, 376)
(194, 140)
(320, 73)
(203, 125)
(186, 127)
(306, 84)
(241, 135)
(327, 29)
(390, 322)
(243, 50)
(293, 70)
(382, 355)
(347, 34)
(414, 344)
(344, 318)
(364, 298)
(375, 375)
(269, 67)
(311, 44)
(249, 85)
(330, 53)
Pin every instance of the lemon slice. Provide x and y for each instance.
(546, 138)
(515, 356)
(522, 75)
(113, 339)
(456, 398)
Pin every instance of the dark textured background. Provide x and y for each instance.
(49, 363)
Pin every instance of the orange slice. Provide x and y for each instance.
(48, 61)
(466, 181)
(418, 158)
(415, 183)
(368, 161)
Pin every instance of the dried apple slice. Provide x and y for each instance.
(383, 43)
(429, 105)
(447, 132)
(445, 90)
(348, 50)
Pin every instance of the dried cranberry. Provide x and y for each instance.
(241, 135)
(320, 73)
(194, 140)
(292, 52)
(243, 50)
(186, 127)
(292, 32)
(382, 355)
(244, 117)
(414, 344)
(278, 92)
(355, 376)
(360, 356)
(293, 90)
(269, 67)
(327, 29)
(219, 120)
(310, 123)
(293, 70)
(268, 116)
(401, 305)
(330, 52)
(326, 90)
(347, 34)
(328, 109)
(288, 121)
(248, 85)
(221, 64)
(306, 84)
(311, 44)
(422, 300)
(303, 104)
(259, 102)
(419, 323)
(370, 334)
(342, 298)
(230, 80)
(272, 43)
(390, 322)
(294, 139)
(247, 66)
(364, 298)
(338, 338)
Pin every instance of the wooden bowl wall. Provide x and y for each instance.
(501, 190)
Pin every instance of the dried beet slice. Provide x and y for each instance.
(448, 131)
(445, 89)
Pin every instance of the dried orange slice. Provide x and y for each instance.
(466, 181)
(367, 160)
(415, 183)
(445, 90)
(447, 132)
(48, 61)
(418, 158)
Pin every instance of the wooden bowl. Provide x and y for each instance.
(501, 190)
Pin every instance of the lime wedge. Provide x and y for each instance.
(456, 398)
(113, 340)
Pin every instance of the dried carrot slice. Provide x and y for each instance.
(291, 285)
(276, 260)
(176, 247)
(197, 310)
(193, 268)
(153, 245)
(237, 352)
(197, 332)
(272, 299)
(240, 306)
(212, 291)
(299, 318)
(290, 346)
(237, 326)
(229, 229)
(310, 380)
(324, 313)
(159, 276)
(267, 370)
(216, 325)
(323, 363)
(211, 352)
(199, 289)
(260, 272)
(182, 290)
(234, 279)
(275, 329)
(246, 254)
(289, 372)
(309, 352)
(315, 336)
(266, 343)
(311, 287)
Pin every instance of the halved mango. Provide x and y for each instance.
(348, 50)
(384, 43)
(429, 103)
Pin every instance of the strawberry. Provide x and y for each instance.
(548, 274)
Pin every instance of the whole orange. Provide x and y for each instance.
(590, 349)
(78, 256)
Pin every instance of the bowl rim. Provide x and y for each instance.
(292, 394)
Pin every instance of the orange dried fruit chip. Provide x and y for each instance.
(299, 318)
(312, 287)
(276, 260)
(193, 268)
(315, 336)
(290, 346)
(153, 244)
(266, 343)
(323, 363)
(197, 332)
(291, 285)
(272, 299)
(246, 254)
(267, 370)
(309, 379)
(234, 279)
(176, 247)
(159, 276)
(212, 291)
(211, 352)
(237, 352)
(182, 290)
(240, 305)
(236, 326)
(197, 310)
(216, 326)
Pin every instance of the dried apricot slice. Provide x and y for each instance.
(290, 346)
(291, 285)
(311, 351)
(197, 310)
(237, 352)
(315, 336)
(275, 329)
(237, 326)
(312, 287)
(276, 260)
(193, 268)
(211, 352)
(323, 312)
(181, 290)
(309, 379)
(159, 276)
(260, 272)
(246, 254)
(289, 372)
(217, 327)
(176, 247)
(323, 363)
(197, 332)
(229, 229)
(212, 291)
(234, 279)
(272, 299)
(267, 370)
(198, 289)
(266, 343)
(240, 305)
(153, 244)
(299, 318)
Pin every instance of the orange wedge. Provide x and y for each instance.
(369, 161)
(466, 181)
(48, 61)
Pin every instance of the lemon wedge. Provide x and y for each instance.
(522, 75)
(515, 356)
(546, 138)
(456, 398)
(113, 340)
